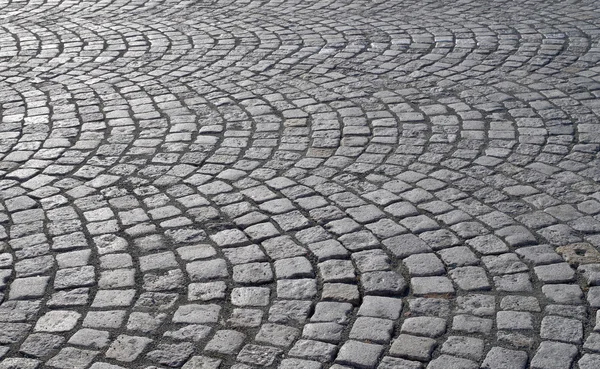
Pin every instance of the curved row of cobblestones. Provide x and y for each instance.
(299, 184)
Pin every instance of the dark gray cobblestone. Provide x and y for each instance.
(299, 184)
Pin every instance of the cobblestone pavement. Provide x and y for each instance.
(299, 184)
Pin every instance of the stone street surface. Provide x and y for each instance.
(299, 184)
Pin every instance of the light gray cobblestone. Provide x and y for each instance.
(243, 184)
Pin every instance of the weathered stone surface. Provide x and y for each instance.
(299, 184)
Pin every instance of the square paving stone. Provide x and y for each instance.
(359, 354)
(422, 265)
(194, 313)
(251, 296)
(41, 344)
(328, 249)
(294, 267)
(476, 304)
(291, 311)
(261, 231)
(145, 322)
(299, 364)
(90, 337)
(501, 358)
(504, 264)
(539, 255)
(98, 365)
(405, 245)
(202, 362)
(440, 239)
(75, 277)
(104, 319)
(458, 256)
(116, 278)
(593, 296)
(303, 289)
(31, 287)
(230, 238)
(467, 347)
(561, 329)
(194, 332)
(207, 291)
(113, 298)
(591, 273)
(155, 301)
(520, 303)
(342, 292)
(488, 245)
(383, 283)
(372, 329)
(72, 358)
(326, 311)
(226, 342)
(555, 273)
(204, 270)
(171, 355)
(420, 306)
(513, 283)
(385, 228)
(470, 278)
(569, 311)
(311, 235)
(313, 350)
(472, 324)
(371, 261)
(282, 247)
(163, 260)
(258, 355)
(243, 254)
(20, 363)
(116, 261)
(380, 307)
(589, 361)
(431, 285)
(337, 271)
(34, 266)
(57, 321)
(413, 347)
(424, 326)
(514, 320)
(447, 361)
(327, 332)
(401, 209)
(252, 273)
(277, 206)
(195, 252)
(554, 355)
(292, 221)
(389, 362)
(277, 335)
(357, 241)
(563, 293)
(127, 348)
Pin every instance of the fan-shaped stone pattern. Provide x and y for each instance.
(299, 184)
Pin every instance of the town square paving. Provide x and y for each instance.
(299, 184)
